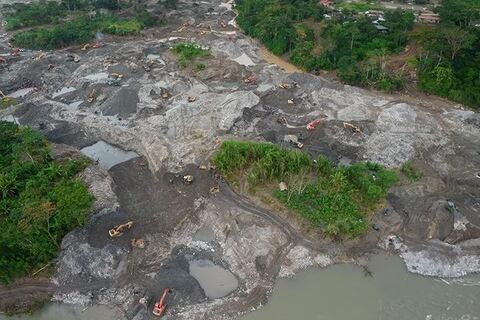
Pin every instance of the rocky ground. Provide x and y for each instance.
(179, 222)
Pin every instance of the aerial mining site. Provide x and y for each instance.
(213, 169)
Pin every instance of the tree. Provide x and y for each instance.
(275, 28)
(457, 39)
(460, 12)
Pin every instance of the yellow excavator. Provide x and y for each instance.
(118, 230)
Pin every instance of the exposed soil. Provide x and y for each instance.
(149, 114)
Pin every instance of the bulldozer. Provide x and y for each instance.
(160, 306)
(118, 230)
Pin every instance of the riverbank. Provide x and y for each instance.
(383, 289)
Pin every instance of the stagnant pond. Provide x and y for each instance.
(107, 155)
(344, 292)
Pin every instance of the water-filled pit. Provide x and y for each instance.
(107, 155)
(214, 280)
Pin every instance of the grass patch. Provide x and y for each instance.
(410, 172)
(188, 52)
(337, 199)
(40, 201)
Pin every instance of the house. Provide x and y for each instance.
(428, 17)
(381, 28)
(374, 13)
(326, 3)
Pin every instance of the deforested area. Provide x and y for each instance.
(177, 158)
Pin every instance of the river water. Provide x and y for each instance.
(343, 292)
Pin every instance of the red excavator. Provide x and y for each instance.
(160, 306)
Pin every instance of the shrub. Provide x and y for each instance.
(123, 27)
(79, 30)
(34, 14)
(410, 172)
(188, 52)
(6, 102)
(200, 66)
(146, 18)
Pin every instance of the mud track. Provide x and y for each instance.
(20, 295)
(236, 200)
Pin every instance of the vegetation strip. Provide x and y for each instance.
(59, 24)
(337, 199)
(41, 201)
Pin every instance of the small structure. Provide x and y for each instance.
(326, 3)
(381, 28)
(428, 17)
(374, 13)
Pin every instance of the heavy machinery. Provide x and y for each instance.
(354, 128)
(118, 230)
(160, 306)
(188, 179)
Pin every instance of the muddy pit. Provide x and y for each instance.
(149, 115)
(215, 281)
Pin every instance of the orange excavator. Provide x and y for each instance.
(160, 306)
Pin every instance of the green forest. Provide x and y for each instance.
(447, 59)
(449, 64)
(58, 24)
(40, 200)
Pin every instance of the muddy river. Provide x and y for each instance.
(342, 292)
